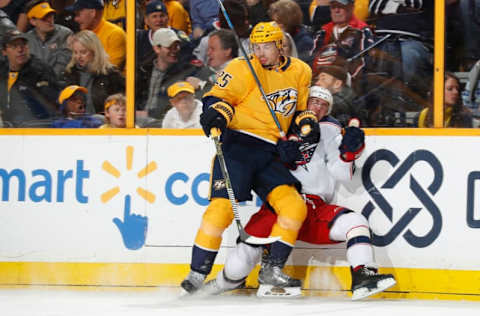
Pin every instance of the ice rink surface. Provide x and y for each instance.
(56, 301)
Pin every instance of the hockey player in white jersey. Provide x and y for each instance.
(330, 160)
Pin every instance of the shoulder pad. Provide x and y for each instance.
(331, 120)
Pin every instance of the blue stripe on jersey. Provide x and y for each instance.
(358, 240)
(330, 119)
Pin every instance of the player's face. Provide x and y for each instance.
(451, 92)
(156, 20)
(267, 53)
(116, 115)
(340, 13)
(318, 106)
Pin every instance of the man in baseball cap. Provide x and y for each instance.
(39, 9)
(165, 37)
(86, 4)
(47, 40)
(89, 16)
(11, 36)
(186, 110)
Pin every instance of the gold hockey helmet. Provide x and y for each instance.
(265, 32)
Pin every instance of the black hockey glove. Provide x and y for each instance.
(289, 151)
(352, 145)
(306, 126)
(218, 115)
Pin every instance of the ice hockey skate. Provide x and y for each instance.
(274, 283)
(219, 285)
(366, 281)
(192, 283)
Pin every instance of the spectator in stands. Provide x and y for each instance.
(72, 109)
(289, 47)
(258, 11)
(289, 16)
(222, 47)
(345, 33)
(186, 110)
(412, 22)
(47, 41)
(166, 69)
(455, 113)
(204, 13)
(319, 11)
(63, 16)
(238, 13)
(89, 16)
(333, 78)
(178, 17)
(28, 86)
(91, 68)
(114, 11)
(471, 94)
(15, 10)
(156, 17)
(115, 111)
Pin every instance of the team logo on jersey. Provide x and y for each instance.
(283, 101)
(307, 151)
(219, 185)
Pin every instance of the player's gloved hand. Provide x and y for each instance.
(306, 126)
(218, 115)
(289, 151)
(353, 143)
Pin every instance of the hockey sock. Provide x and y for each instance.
(279, 253)
(202, 260)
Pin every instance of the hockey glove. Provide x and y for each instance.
(306, 126)
(352, 145)
(289, 151)
(218, 115)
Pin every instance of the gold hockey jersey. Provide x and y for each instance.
(285, 86)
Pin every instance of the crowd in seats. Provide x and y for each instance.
(375, 56)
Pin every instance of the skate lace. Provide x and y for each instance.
(367, 271)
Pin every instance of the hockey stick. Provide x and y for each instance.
(244, 236)
(244, 53)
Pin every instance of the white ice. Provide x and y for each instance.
(52, 301)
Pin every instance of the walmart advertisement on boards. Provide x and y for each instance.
(140, 199)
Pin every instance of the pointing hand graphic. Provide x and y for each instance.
(133, 227)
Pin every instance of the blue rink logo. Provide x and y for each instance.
(44, 185)
(420, 193)
(132, 227)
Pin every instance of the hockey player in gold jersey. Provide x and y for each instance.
(255, 154)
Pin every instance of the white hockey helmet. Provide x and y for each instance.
(322, 93)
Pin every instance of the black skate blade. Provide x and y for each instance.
(364, 292)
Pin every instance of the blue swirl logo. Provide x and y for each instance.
(387, 209)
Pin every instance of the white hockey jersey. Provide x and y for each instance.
(324, 166)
